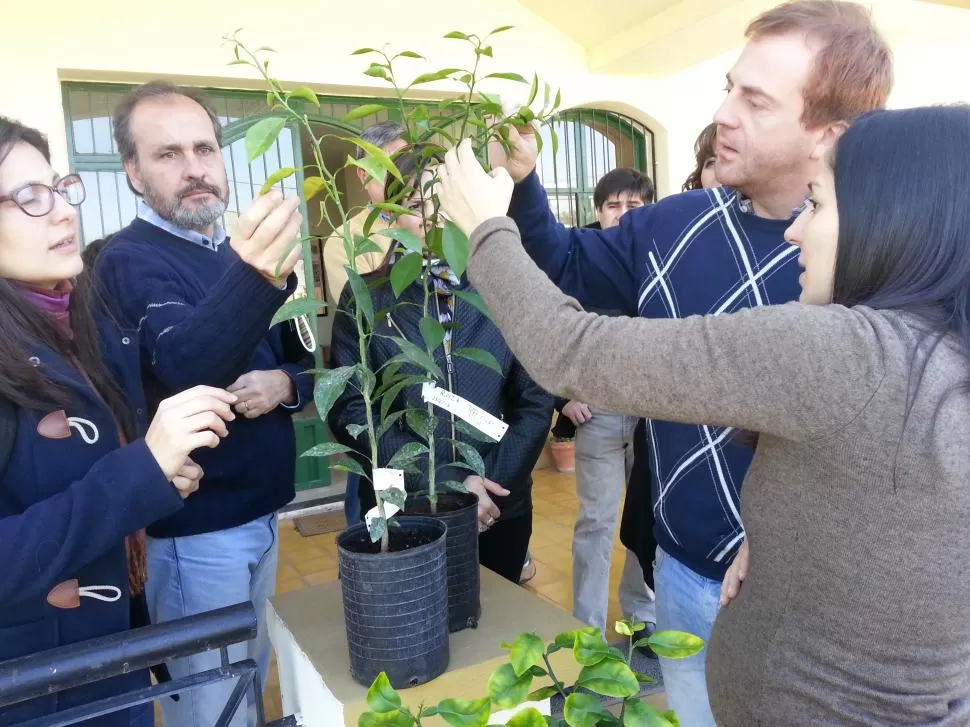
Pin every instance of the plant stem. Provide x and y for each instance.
(471, 92)
(552, 675)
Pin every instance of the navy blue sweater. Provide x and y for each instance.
(695, 253)
(203, 318)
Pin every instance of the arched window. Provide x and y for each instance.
(591, 143)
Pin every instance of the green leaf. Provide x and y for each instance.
(406, 455)
(306, 94)
(507, 77)
(429, 712)
(675, 644)
(394, 496)
(533, 89)
(441, 75)
(465, 713)
(388, 421)
(375, 152)
(590, 648)
(394, 209)
(409, 54)
(481, 357)
(421, 422)
(418, 357)
(583, 710)
(555, 104)
(376, 528)
(362, 298)
(610, 678)
(507, 689)
(296, 308)
(405, 271)
(408, 239)
(432, 332)
(312, 186)
(326, 449)
(530, 717)
(364, 51)
(456, 248)
(623, 628)
(475, 301)
(671, 717)
(389, 719)
(457, 35)
(453, 485)
(370, 165)
(381, 697)
(526, 652)
(376, 70)
(555, 140)
(262, 135)
(500, 29)
(472, 457)
(329, 386)
(350, 465)
(238, 62)
(355, 430)
(641, 714)
(364, 245)
(542, 693)
(363, 111)
(644, 678)
(484, 51)
(472, 433)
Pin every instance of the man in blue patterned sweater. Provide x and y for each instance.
(809, 68)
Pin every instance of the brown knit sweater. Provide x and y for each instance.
(856, 610)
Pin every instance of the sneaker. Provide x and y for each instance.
(528, 569)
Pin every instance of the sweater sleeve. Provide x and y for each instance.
(598, 267)
(53, 538)
(211, 342)
(794, 371)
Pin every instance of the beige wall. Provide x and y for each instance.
(113, 40)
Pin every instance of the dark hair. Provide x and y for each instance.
(852, 72)
(901, 181)
(154, 89)
(91, 251)
(703, 150)
(380, 135)
(620, 180)
(411, 162)
(23, 327)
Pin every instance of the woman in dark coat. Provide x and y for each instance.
(81, 475)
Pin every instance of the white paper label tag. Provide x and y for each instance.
(390, 509)
(464, 409)
(386, 479)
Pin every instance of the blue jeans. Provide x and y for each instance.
(686, 601)
(352, 500)
(199, 573)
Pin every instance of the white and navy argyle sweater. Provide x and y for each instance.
(695, 253)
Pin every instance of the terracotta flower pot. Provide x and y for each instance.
(564, 455)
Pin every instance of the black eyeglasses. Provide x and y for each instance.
(36, 199)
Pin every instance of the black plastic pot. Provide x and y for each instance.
(396, 603)
(459, 511)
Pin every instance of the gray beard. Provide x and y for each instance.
(196, 219)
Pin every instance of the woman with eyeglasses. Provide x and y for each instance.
(854, 608)
(80, 473)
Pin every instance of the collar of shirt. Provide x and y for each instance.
(149, 215)
(744, 202)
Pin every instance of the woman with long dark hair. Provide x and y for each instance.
(80, 475)
(703, 176)
(857, 505)
(505, 493)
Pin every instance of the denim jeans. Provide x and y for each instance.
(604, 458)
(199, 573)
(686, 601)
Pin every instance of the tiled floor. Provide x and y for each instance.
(310, 561)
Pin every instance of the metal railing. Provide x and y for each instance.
(76, 665)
